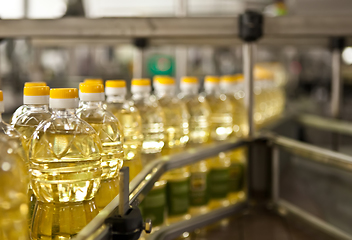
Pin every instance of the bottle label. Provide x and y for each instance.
(199, 189)
(236, 177)
(177, 197)
(219, 183)
(153, 206)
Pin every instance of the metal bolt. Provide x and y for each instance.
(148, 226)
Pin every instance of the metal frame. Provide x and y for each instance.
(176, 27)
(312, 153)
(145, 180)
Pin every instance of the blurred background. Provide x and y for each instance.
(308, 68)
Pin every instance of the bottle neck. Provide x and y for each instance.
(190, 92)
(38, 107)
(64, 112)
(212, 91)
(115, 98)
(92, 104)
(165, 93)
(140, 95)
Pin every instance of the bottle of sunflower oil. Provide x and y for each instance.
(199, 132)
(131, 122)
(176, 137)
(65, 160)
(36, 100)
(153, 121)
(221, 128)
(13, 192)
(230, 86)
(21, 109)
(110, 133)
(61, 220)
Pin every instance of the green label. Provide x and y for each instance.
(236, 177)
(219, 185)
(177, 197)
(198, 189)
(153, 206)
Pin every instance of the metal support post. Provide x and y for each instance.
(337, 45)
(124, 190)
(275, 171)
(138, 57)
(250, 30)
(249, 85)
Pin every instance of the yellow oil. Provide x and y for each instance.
(18, 112)
(199, 121)
(13, 193)
(110, 136)
(237, 175)
(221, 120)
(221, 116)
(199, 133)
(176, 125)
(153, 120)
(26, 125)
(131, 123)
(61, 220)
(65, 161)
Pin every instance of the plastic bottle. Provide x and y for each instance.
(199, 132)
(21, 109)
(153, 123)
(61, 220)
(65, 159)
(231, 86)
(221, 128)
(176, 137)
(13, 192)
(110, 133)
(131, 122)
(153, 119)
(36, 100)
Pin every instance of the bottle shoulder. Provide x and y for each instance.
(31, 118)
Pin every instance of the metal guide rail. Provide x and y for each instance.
(309, 153)
(175, 30)
(287, 26)
(144, 181)
(139, 187)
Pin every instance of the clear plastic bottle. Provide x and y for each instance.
(231, 86)
(131, 122)
(65, 160)
(199, 132)
(153, 119)
(221, 128)
(13, 192)
(176, 137)
(153, 123)
(110, 133)
(21, 109)
(36, 100)
(61, 220)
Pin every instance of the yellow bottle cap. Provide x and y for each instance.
(34, 84)
(91, 88)
(167, 80)
(228, 78)
(115, 83)
(36, 91)
(141, 82)
(1, 96)
(93, 81)
(63, 93)
(189, 79)
(212, 79)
